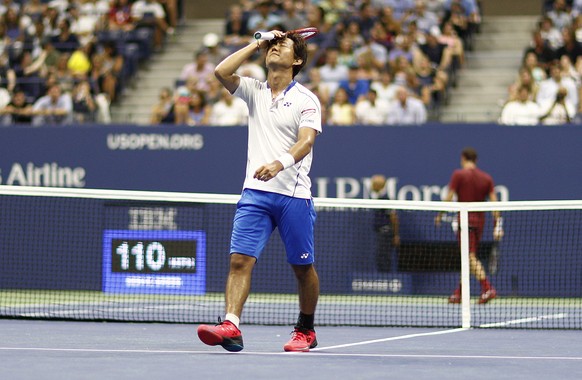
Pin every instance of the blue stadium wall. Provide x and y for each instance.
(530, 163)
(538, 163)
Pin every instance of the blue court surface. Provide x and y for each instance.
(32, 349)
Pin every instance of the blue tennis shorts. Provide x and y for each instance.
(257, 215)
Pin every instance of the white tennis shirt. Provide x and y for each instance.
(273, 130)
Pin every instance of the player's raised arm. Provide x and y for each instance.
(225, 71)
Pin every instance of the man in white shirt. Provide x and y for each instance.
(549, 88)
(406, 109)
(284, 120)
(521, 111)
(229, 110)
(151, 13)
(384, 86)
(263, 17)
(53, 108)
(250, 68)
(332, 72)
(371, 110)
(200, 68)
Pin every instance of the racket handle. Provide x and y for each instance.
(264, 35)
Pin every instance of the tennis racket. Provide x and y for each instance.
(306, 33)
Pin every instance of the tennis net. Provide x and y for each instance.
(86, 254)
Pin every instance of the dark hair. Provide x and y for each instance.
(202, 95)
(299, 50)
(469, 154)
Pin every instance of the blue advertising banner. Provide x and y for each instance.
(527, 163)
(97, 250)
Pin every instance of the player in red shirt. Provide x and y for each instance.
(470, 184)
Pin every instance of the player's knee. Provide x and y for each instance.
(241, 263)
(303, 271)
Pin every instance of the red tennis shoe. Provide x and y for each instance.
(488, 295)
(301, 340)
(455, 297)
(225, 334)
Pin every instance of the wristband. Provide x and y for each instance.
(287, 160)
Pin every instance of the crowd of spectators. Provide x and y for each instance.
(548, 86)
(67, 61)
(375, 62)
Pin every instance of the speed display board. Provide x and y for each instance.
(153, 261)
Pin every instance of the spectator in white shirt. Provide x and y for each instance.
(250, 68)
(151, 13)
(560, 15)
(549, 88)
(376, 51)
(371, 110)
(263, 17)
(55, 107)
(200, 69)
(576, 8)
(229, 110)
(521, 111)
(550, 33)
(406, 109)
(332, 72)
(425, 20)
(384, 86)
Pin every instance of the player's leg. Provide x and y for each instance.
(303, 337)
(477, 269)
(384, 249)
(227, 333)
(252, 227)
(238, 283)
(308, 288)
(296, 223)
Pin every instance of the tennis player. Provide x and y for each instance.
(471, 184)
(284, 119)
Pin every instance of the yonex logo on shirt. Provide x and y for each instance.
(287, 104)
(305, 256)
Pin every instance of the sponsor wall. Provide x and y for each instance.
(527, 164)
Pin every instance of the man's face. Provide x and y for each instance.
(55, 93)
(281, 52)
(19, 98)
(201, 58)
(401, 95)
(331, 57)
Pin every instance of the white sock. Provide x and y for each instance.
(233, 319)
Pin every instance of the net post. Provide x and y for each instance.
(465, 270)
